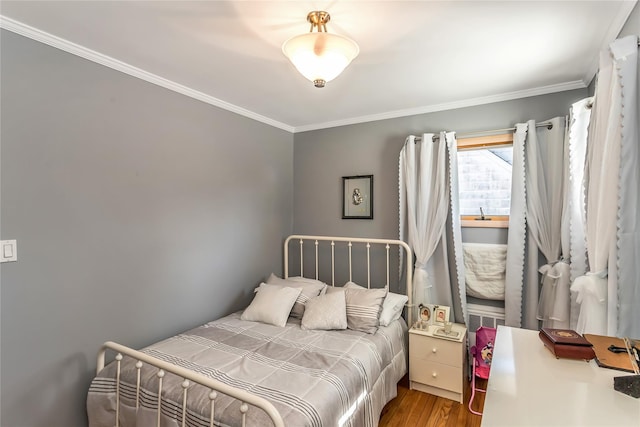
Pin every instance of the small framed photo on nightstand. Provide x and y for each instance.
(440, 314)
(425, 313)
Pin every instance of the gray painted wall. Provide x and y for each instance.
(485, 235)
(139, 213)
(322, 157)
(632, 26)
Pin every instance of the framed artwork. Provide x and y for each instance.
(440, 314)
(425, 313)
(357, 197)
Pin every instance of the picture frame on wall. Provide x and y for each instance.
(357, 197)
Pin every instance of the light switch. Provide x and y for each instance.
(9, 251)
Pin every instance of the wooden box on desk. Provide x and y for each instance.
(567, 344)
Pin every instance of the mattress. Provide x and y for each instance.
(313, 378)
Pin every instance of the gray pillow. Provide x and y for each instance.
(392, 306)
(363, 308)
(326, 312)
(309, 288)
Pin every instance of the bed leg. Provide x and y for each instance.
(118, 361)
(244, 408)
(138, 367)
(212, 398)
(185, 386)
(160, 376)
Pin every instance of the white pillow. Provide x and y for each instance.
(326, 312)
(273, 279)
(392, 308)
(392, 305)
(353, 285)
(272, 305)
(309, 288)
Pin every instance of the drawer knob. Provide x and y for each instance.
(434, 350)
(434, 375)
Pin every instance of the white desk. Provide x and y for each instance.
(528, 386)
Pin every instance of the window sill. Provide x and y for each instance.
(478, 223)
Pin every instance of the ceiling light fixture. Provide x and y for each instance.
(320, 56)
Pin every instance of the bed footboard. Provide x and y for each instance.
(188, 376)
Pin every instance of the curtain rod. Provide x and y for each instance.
(548, 125)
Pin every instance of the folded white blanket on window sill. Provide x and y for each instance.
(485, 266)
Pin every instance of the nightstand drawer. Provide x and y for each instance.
(430, 349)
(436, 375)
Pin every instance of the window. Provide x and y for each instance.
(484, 177)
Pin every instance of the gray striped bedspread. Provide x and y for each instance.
(313, 378)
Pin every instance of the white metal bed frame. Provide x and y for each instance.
(215, 386)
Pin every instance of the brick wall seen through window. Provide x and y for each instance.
(484, 177)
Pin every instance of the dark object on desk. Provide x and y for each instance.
(629, 385)
(615, 349)
(566, 343)
(606, 358)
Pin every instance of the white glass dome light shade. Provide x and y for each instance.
(320, 57)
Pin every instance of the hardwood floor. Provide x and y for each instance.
(412, 408)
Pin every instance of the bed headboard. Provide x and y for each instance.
(320, 251)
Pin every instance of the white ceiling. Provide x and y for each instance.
(415, 56)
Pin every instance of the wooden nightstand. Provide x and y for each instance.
(436, 364)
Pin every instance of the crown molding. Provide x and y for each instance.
(509, 96)
(91, 55)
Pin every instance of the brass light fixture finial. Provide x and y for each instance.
(318, 20)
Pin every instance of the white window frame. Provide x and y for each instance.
(502, 140)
